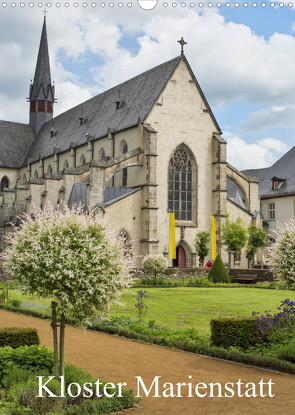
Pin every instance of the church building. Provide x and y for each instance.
(146, 147)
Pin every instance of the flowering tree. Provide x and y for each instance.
(72, 257)
(281, 253)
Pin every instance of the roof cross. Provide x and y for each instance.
(182, 43)
(45, 11)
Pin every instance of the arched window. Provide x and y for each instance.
(82, 160)
(125, 237)
(49, 169)
(66, 165)
(4, 183)
(101, 154)
(180, 184)
(124, 180)
(36, 174)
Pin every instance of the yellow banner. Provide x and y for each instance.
(172, 236)
(213, 240)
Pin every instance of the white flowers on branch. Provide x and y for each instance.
(281, 253)
(70, 256)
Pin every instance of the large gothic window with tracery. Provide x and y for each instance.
(180, 185)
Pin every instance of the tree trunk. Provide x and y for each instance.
(7, 288)
(62, 345)
(229, 262)
(54, 330)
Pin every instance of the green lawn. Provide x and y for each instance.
(193, 307)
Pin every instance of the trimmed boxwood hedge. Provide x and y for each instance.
(18, 336)
(237, 332)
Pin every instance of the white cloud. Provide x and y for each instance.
(231, 62)
(275, 116)
(262, 153)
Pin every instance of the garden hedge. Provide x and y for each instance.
(237, 332)
(18, 336)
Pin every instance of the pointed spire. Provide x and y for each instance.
(42, 73)
(41, 90)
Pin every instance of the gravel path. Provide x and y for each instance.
(118, 360)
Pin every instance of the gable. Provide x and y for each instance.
(183, 87)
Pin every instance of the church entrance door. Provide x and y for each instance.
(180, 260)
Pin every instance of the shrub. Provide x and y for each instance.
(218, 272)
(34, 358)
(17, 336)
(287, 352)
(236, 332)
(154, 264)
(22, 391)
(277, 327)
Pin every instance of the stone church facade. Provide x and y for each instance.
(135, 152)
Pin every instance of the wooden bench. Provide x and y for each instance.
(246, 278)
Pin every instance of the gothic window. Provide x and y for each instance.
(125, 237)
(66, 165)
(36, 174)
(82, 160)
(125, 150)
(101, 154)
(180, 185)
(4, 183)
(49, 169)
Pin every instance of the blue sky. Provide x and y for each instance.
(243, 58)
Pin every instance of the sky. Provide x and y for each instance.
(243, 58)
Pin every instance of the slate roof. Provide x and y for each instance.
(113, 194)
(283, 168)
(78, 196)
(42, 76)
(136, 96)
(15, 141)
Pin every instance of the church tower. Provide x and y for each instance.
(41, 96)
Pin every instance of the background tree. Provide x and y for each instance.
(72, 257)
(234, 236)
(202, 246)
(257, 239)
(281, 253)
(154, 264)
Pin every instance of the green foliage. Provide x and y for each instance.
(149, 329)
(18, 336)
(33, 358)
(201, 245)
(236, 332)
(21, 387)
(154, 264)
(15, 303)
(218, 272)
(257, 239)
(233, 234)
(287, 352)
